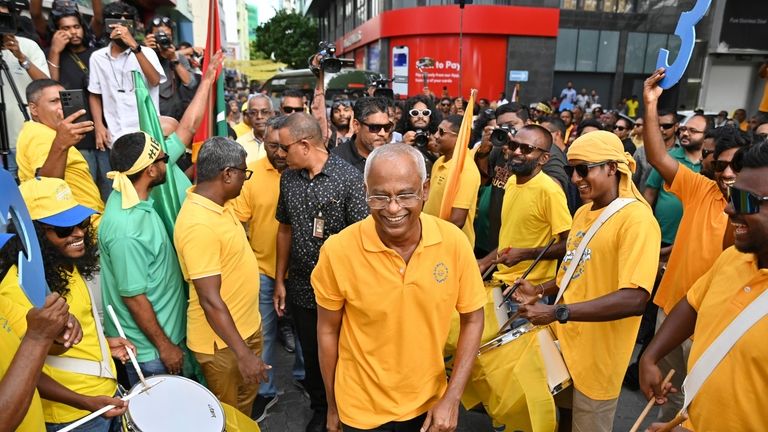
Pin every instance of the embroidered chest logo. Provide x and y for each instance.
(573, 243)
(440, 272)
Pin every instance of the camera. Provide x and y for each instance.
(382, 89)
(8, 20)
(500, 135)
(421, 139)
(327, 56)
(162, 39)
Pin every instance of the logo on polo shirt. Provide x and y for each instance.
(440, 272)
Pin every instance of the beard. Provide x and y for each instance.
(342, 123)
(119, 42)
(158, 181)
(522, 168)
(692, 145)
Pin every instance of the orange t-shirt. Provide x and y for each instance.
(699, 238)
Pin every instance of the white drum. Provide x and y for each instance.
(174, 404)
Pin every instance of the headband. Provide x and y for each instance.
(120, 180)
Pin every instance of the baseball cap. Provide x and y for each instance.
(50, 201)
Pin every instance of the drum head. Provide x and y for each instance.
(174, 404)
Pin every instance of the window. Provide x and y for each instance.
(634, 60)
(589, 5)
(607, 51)
(565, 54)
(568, 4)
(587, 50)
(586, 54)
(643, 51)
(656, 42)
(361, 16)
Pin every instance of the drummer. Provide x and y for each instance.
(599, 314)
(534, 210)
(386, 288)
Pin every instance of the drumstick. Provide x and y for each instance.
(489, 271)
(106, 408)
(650, 403)
(527, 272)
(128, 350)
(677, 421)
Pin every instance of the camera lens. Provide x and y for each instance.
(421, 139)
(330, 64)
(500, 137)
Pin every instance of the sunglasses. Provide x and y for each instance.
(248, 173)
(291, 110)
(441, 132)
(721, 165)
(164, 21)
(424, 113)
(525, 149)
(375, 128)
(445, 103)
(705, 153)
(163, 159)
(667, 126)
(64, 232)
(284, 147)
(619, 128)
(341, 102)
(582, 169)
(744, 202)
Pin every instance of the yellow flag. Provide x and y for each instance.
(459, 156)
(237, 421)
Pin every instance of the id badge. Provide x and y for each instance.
(318, 227)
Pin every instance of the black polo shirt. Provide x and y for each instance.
(348, 151)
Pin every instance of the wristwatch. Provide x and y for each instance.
(25, 64)
(562, 313)
(137, 49)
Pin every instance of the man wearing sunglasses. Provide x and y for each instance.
(292, 101)
(668, 127)
(372, 128)
(140, 274)
(179, 73)
(735, 280)
(260, 110)
(403, 274)
(702, 232)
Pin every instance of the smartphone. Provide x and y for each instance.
(109, 22)
(73, 101)
(400, 70)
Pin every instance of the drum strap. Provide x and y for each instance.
(101, 369)
(717, 350)
(610, 210)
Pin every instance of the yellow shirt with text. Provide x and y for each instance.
(466, 198)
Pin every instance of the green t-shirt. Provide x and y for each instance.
(170, 195)
(669, 209)
(137, 257)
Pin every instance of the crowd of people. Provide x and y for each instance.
(366, 228)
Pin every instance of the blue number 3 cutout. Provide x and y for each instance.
(686, 31)
(31, 273)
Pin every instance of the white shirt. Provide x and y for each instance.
(112, 78)
(21, 78)
(254, 147)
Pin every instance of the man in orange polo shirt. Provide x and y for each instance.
(386, 288)
(732, 395)
(701, 234)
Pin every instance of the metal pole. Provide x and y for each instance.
(461, 42)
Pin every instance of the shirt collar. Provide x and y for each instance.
(430, 234)
(202, 201)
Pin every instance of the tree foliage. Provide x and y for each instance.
(290, 37)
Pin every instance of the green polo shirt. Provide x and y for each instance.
(669, 209)
(137, 257)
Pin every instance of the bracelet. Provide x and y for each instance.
(51, 63)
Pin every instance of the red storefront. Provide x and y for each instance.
(408, 35)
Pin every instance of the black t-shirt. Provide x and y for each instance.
(73, 77)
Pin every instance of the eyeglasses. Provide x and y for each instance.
(582, 169)
(120, 15)
(284, 147)
(441, 132)
(164, 21)
(525, 149)
(64, 232)
(248, 173)
(403, 200)
(721, 165)
(744, 202)
(375, 128)
(620, 128)
(340, 102)
(163, 159)
(667, 126)
(264, 112)
(445, 103)
(760, 137)
(424, 113)
(291, 110)
(690, 130)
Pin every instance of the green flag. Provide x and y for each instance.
(169, 195)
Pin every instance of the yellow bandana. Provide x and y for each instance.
(120, 180)
(602, 146)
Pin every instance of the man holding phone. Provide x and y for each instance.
(68, 59)
(112, 99)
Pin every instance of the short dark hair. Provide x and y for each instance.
(754, 156)
(543, 134)
(707, 120)
(557, 125)
(120, 8)
(368, 105)
(301, 125)
(590, 123)
(35, 87)
(513, 107)
(667, 111)
(151, 25)
(126, 151)
(292, 93)
(728, 137)
(455, 121)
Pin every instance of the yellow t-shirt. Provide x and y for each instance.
(32, 148)
(210, 241)
(10, 340)
(253, 148)
(257, 205)
(396, 317)
(531, 214)
(624, 253)
(632, 106)
(241, 129)
(466, 198)
(79, 300)
(741, 377)
(699, 238)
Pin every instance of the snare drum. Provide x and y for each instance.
(174, 404)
